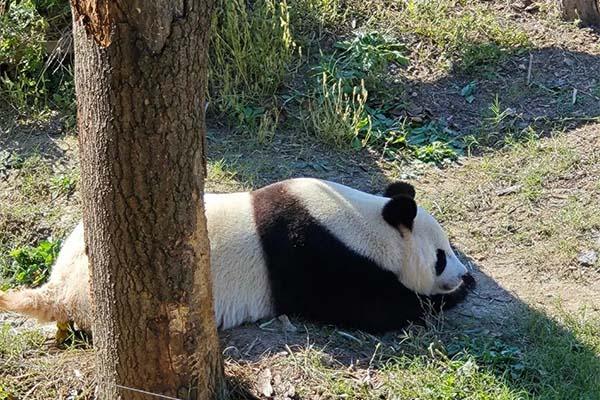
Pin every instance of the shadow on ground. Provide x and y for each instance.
(546, 89)
(253, 164)
(28, 138)
(525, 350)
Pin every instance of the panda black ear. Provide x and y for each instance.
(400, 210)
(400, 189)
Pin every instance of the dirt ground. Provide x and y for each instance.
(505, 285)
(498, 229)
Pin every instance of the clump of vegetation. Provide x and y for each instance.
(354, 110)
(250, 52)
(336, 116)
(310, 17)
(28, 77)
(31, 265)
(22, 32)
(365, 57)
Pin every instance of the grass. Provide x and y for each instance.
(446, 35)
(548, 214)
(538, 358)
(34, 199)
(337, 117)
(334, 89)
(30, 368)
(256, 65)
(251, 51)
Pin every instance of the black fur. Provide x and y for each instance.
(400, 210)
(400, 189)
(315, 276)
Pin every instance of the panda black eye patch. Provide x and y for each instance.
(440, 262)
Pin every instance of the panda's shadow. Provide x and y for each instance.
(492, 322)
(487, 304)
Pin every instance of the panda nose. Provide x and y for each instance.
(468, 280)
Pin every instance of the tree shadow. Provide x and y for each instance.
(256, 164)
(542, 89)
(524, 349)
(23, 139)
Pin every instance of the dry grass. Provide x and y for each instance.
(31, 367)
(535, 204)
(522, 213)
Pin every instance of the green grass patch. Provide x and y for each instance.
(538, 358)
(251, 51)
(535, 200)
(469, 36)
(31, 264)
(14, 344)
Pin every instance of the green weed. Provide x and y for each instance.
(339, 117)
(250, 53)
(467, 35)
(31, 265)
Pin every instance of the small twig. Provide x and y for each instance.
(574, 99)
(529, 69)
(349, 336)
(250, 346)
(508, 190)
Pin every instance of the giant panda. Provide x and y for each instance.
(303, 247)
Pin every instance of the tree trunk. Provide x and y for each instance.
(588, 11)
(140, 69)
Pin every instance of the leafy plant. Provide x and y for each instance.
(468, 91)
(363, 58)
(371, 53)
(250, 53)
(337, 116)
(491, 353)
(31, 265)
(431, 142)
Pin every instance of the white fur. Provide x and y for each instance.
(65, 296)
(355, 218)
(241, 287)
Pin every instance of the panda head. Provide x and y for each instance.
(430, 266)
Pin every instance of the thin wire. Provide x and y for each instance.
(145, 392)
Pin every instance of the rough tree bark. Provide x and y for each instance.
(588, 11)
(140, 69)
